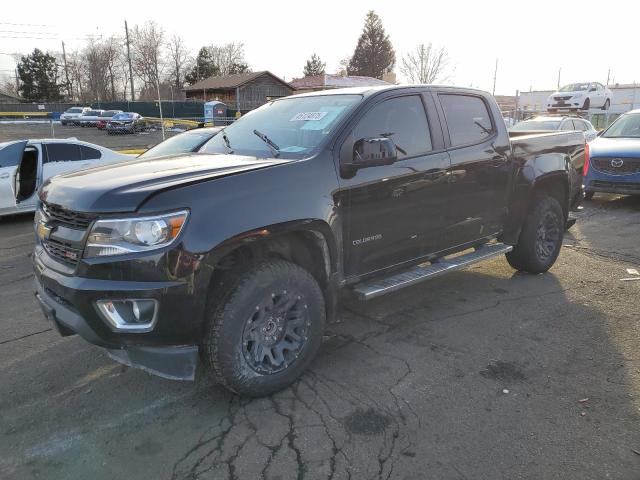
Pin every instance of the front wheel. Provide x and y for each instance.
(264, 327)
(606, 105)
(588, 195)
(587, 104)
(541, 237)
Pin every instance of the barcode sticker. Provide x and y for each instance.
(308, 116)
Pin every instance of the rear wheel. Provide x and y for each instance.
(264, 328)
(541, 237)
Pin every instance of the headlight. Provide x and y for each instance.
(136, 234)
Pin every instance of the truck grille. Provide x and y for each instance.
(67, 218)
(629, 166)
(62, 252)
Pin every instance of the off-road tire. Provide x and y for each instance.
(545, 215)
(232, 307)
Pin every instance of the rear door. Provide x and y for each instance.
(480, 167)
(10, 157)
(61, 157)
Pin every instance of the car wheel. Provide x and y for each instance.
(587, 104)
(588, 195)
(606, 105)
(264, 327)
(63, 123)
(541, 237)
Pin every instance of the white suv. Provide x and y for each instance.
(72, 115)
(580, 96)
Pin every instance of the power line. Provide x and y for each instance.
(24, 24)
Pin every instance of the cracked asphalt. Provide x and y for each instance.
(481, 374)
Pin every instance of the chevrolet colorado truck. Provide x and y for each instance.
(234, 257)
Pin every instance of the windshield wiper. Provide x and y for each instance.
(275, 149)
(227, 143)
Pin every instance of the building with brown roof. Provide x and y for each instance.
(243, 91)
(327, 81)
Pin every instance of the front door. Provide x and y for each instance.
(394, 213)
(10, 156)
(480, 168)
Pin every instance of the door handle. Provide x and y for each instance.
(434, 174)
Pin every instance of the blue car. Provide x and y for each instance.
(614, 158)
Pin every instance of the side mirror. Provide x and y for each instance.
(372, 152)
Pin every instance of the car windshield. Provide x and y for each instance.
(108, 113)
(92, 113)
(74, 110)
(287, 128)
(537, 125)
(575, 87)
(123, 116)
(626, 126)
(181, 143)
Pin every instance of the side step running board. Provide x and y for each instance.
(375, 288)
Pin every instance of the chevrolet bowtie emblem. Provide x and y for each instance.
(44, 231)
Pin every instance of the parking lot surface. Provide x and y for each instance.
(482, 374)
(17, 131)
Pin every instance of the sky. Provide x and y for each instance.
(531, 40)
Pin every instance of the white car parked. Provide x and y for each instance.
(90, 118)
(580, 96)
(551, 124)
(71, 115)
(44, 159)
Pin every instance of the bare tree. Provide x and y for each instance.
(114, 58)
(148, 55)
(179, 58)
(426, 65)
(229, 58)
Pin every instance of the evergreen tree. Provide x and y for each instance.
(314, 66)
(374, 54)
(38, 73)
(204, 67)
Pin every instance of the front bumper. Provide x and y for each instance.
(597, 181)
(170, 350)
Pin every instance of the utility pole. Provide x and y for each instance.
(608, 76)
(559, 70)
(126, 30)
(495, 74)
(66, 71)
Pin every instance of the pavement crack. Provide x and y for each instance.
(25, 336)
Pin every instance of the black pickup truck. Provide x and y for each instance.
(235, 256)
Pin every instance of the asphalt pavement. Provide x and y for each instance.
(481, 374)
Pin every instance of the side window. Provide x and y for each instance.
(568, 125)
(580, 125)
(88, 153)
(402, 119)
(468, 119)
(63, 152)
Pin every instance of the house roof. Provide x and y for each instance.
(227, 82)
(329, 80)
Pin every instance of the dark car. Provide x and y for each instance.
(185, 142)
(125, 122)
(105, 117)
(235, 257)
(614, 165)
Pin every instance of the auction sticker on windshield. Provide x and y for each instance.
(305, 116)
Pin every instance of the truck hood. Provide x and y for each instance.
(122, 187)
(623, 147)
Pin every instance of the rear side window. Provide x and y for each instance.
(403, 120)
(88, 153)
(568, 125)
(63, 152)
(468, 119)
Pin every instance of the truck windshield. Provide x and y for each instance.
(296, 125)
(627, 126)
(537, 125)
